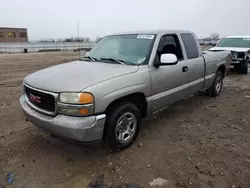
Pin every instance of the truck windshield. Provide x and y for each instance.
(128, 49)
(235, 42)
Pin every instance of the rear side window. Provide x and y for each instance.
(190, 45)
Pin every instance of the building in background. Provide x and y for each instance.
(13, 34)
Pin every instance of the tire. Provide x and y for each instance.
(245, 67)
(215, 89)
(237, 68)
(122, 136)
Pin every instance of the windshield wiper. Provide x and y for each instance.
(114, 60)
(91, 58)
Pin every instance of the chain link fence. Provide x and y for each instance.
(44, 47)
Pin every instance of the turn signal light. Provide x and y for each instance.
(84, 111)
(86, 98)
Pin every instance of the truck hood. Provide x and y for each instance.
(76, 75)
(235, 49)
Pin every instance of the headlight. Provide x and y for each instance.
(76, 98)
(234, 55)
(76, 104)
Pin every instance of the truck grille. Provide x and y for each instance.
(241, 55)
(40, 99)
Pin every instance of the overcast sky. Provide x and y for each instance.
(58, 18)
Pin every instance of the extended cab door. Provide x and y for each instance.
(195, 63)
(175, 82)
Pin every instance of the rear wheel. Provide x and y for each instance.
(215, 89)
(122, 126)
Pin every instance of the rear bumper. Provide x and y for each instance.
(80, 129)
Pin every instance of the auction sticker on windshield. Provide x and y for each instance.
(145, 37)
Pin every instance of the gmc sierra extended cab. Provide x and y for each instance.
(123, 79)
(240, 50)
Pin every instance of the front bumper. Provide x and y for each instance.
(80, 129)
(234, 62)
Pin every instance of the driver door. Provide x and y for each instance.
(167, 81)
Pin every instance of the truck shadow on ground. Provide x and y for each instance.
(176, 111)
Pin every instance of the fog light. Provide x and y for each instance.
(69, 111)
(76, 110)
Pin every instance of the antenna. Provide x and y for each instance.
(78, 40)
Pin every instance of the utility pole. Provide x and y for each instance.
(78, 39)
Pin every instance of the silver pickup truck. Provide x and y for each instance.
(123, 79)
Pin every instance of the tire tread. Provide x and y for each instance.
(109, 137)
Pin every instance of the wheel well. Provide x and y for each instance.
(138, 99)
(222, 68)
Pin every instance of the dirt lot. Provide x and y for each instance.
(200, 142)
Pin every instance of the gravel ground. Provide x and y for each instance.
(201, 142)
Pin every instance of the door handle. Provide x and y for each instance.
(185, 69)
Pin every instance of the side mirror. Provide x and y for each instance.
(167, 59)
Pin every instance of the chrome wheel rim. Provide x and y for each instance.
(218, 84)
(248, 68)
(126, 127)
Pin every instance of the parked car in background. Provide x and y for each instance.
(207, 42)
(214, 42)
(123, 79)
(201, 41)
(240, 49)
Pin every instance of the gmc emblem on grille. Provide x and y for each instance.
(34, 98)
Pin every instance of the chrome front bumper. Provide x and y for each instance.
(235, 62)
(80, 129)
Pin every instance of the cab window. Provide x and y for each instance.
(170, 44)
(190, 45)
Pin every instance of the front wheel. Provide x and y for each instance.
(215, 89)
(245, 69)
(122, 126)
